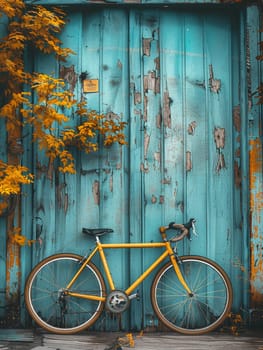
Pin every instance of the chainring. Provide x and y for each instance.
(117, 301)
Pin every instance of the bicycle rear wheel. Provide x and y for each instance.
(205, 309)
(54, 310)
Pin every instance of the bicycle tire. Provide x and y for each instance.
(67, 314)
(201, 312)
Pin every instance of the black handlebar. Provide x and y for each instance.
(184, 228)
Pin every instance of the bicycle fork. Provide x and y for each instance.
(177, 269)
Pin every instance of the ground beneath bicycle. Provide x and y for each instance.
(27, 339)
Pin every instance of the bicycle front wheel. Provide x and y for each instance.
(48, 303)
(202, 311)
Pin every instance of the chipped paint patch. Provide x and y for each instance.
(146, 144)
(69, 75)
(96, 192)
(151, 82)
(167, 101)
(215, 84)
(236, 118)
(188, 161)
(219, 138)
(191, 128)
(146, 44)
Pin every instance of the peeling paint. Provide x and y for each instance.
(215, 84)
(68, 74)
(167, 101)
(157, 63)
(191, 128)
(137, 98)
(111, 183)
(119, 64)
(167, 181)
(146, 144)
(188, 161)
(219, 137)
(96, 192)
(62, 197)
(159, 120)
(221, 164)
(146, 44)
(157, 157)
(154, 199)
(151, 82)
(145, 107)
(144, 168)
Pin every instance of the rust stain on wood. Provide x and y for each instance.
(255, 160)
(237, 175)
(256, 208)
(236, 118)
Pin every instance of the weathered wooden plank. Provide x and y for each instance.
(16, 335)
(219, 114)
(151, 162)
(195, 128)
(151, 341)
(172, 66)
(136, 125)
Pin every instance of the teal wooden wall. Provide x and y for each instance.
(179, 77)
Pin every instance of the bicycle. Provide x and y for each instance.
(66, 293)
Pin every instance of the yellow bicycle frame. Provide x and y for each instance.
(100, 248)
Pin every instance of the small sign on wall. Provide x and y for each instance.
(90, 85)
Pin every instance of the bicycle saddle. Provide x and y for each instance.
(96, 231)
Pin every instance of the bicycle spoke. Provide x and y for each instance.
(50, 305)
(199, 312)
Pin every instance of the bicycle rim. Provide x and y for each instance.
(201, 312)
(60, 313)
